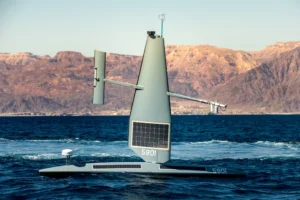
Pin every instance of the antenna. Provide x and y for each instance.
(68, 154)
(162, 18)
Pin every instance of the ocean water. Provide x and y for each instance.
(265, 147)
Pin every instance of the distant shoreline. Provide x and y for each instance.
(113, 115)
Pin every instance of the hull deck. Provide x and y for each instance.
(141, 168)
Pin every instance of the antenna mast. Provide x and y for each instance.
(162, 18)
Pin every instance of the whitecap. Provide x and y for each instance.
(4, 139)
(100, 154)
(213, 142)
(46, 156)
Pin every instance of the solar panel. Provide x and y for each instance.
(150, 135)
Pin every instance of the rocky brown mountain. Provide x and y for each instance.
(64, 83)
(274, 50)
(274, 86)
(200, 68)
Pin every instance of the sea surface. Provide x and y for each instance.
(265, 147)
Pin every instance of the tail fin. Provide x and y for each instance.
(100, 62)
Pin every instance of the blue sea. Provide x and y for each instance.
(265, 147)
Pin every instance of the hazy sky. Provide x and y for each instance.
(48, 26)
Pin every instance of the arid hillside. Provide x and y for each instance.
(274, 86)
(263, 81)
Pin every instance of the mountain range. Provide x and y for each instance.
(266, 81)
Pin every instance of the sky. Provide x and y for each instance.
(45, 27)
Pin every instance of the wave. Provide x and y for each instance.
(258, 142)
(214, 142)
(46, 156)
(4, 139)
(54, 156)
(222, 149)
(77, 140)
(121, 157)
(277, 143)
(58, 140)
(201, 150)
(51, 156)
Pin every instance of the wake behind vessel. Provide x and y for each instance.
(149, 133)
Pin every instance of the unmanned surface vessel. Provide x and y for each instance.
(149, 124)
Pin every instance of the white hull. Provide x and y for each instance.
(140, 168)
